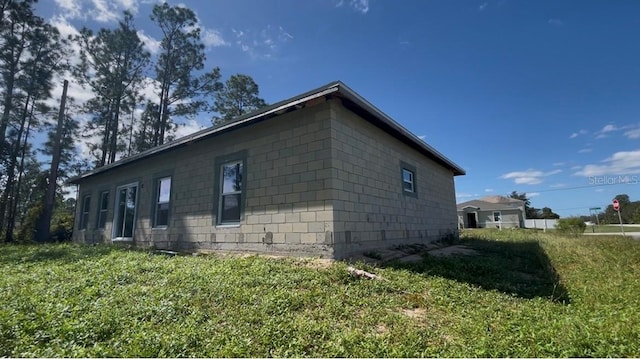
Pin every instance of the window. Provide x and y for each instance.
(125, 212)
(102, 211)
(408, 177)
(408, 180)
(230, 192)
(163, 196)
(497, 216)
(84, 219)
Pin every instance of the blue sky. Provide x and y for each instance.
(540, 97)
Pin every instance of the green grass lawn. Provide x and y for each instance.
(527, 294)
(610, 228)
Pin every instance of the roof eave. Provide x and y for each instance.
(363, 103)
(275, 109)
(242, 121)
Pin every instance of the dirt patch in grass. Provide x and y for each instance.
(415, 313)
(453, 250)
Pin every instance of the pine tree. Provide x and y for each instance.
(240, 95)
(31, 52)
(181, 91)
(113, 62)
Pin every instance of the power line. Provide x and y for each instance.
(579, 187)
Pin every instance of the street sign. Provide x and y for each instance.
(616, 205)
(595, 208)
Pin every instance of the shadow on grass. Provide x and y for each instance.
(520, 268)
(25, 253)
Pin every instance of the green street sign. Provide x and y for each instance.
(595, 209)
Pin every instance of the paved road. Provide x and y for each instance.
(635, 235)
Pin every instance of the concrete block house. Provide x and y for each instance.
(492, 212)
(324, 173)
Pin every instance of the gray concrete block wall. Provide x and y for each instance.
(370, 209)
(320, 181)
(288, 198)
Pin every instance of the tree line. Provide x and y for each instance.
(137, 100)
(532, 212)
(629, 211)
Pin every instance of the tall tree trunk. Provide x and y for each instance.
(9, 191)
(45, 220)
(7, 108)
(165, 118)
(9, 88)
(20, 149)
(113, 145)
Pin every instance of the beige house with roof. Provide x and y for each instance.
(324, 173)
(492, 212)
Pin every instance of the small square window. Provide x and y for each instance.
(409, 181)
(497, 216)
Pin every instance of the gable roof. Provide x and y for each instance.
(351, 100)
(492, 203)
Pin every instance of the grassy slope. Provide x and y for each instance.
(528, 295)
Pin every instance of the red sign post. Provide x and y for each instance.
(616, 207)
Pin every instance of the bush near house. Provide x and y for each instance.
(525, 294)
(571, 226)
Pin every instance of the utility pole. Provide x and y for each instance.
(42, 235)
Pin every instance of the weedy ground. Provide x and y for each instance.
(526, 294)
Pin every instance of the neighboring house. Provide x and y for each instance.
(324, 173)
(492, 212)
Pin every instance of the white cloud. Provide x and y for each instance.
(633, 134)
(361, 6)
(131, 5)
(606, 130)
(579, 133)
(529, 176)
(212, 38)
(98, 10)
(152, 45)
(71, 8)
(558, 164)
(585, 150)
(557, 185)
(188, 128)
(620, 163)
(465, 195)
(533, 194)
(263, 44)
(482, 6)
(488, 189)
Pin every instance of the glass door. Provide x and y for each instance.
(125, 216)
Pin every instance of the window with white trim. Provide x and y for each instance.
(408, 181)
(497, 216)
(163, 197)
(103, 209)
(84, 218)
(229, 206)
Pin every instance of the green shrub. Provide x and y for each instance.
(573, 226)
